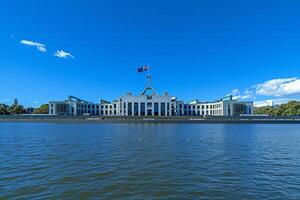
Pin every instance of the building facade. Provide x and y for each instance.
(73, 106)
(149, 103)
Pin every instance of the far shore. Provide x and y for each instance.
(181, 119)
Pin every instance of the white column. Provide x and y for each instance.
(139, 108)
(152, 108)
(132, 108)
(159, 108)
(166, 109)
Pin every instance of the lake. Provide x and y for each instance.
(149, 161)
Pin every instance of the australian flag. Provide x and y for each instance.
(142, 69)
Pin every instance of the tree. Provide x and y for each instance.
(16, 109)
(4, 109)
(43, 109)
(292, 108)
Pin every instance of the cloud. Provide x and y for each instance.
(268, 102)
(63, 54)
(279, 87)
(6, 100)
(274, 101)
(236, 94)
(41, 47)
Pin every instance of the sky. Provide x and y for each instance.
(195, 49)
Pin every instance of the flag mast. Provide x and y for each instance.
(148, 77)
(148, 87)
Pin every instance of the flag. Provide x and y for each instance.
(142, 69)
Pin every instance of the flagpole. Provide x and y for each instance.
(148, 76)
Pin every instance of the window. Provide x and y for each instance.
(193, 112)
(142, 109)
(155, 109)
(149, 112)
(136, 109)
(163, 109)
(129, 108)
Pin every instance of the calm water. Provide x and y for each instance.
(149, 161)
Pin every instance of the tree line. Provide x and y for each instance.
(17, 109)
(292, 108)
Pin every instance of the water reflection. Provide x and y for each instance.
(147, 161)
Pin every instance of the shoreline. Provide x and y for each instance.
(170, 120)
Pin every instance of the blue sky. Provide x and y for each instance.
(196, 49)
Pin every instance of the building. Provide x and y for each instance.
(149, 103)
(73, 106)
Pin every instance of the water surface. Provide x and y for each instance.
(149, 161)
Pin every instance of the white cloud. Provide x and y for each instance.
(236, 94)
(6, 100)
(63, 54)
(275, 101)
(268, 102)
(41, 47)
(279, 87)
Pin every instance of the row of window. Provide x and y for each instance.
(149, 104)
(142, 109)
(213, 106)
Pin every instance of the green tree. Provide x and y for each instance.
(292, 108)
(16, 109)
(43, 109)
(4, 109)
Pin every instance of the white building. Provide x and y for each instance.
(149, 103)
(73, 106)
